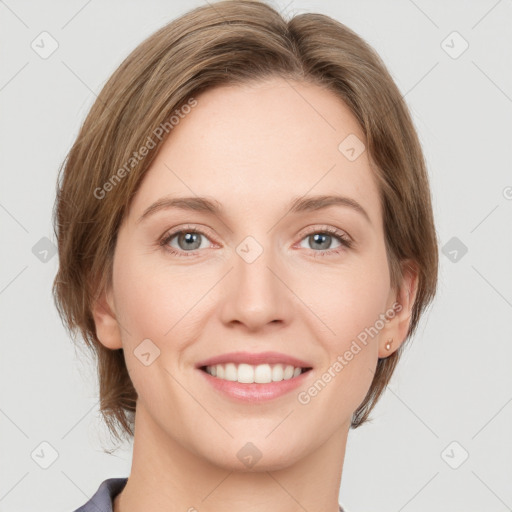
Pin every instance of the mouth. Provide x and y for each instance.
(259, 374)
(259, 368)
(254, 377)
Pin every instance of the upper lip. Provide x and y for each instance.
(254, 359)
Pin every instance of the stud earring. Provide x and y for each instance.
(388, 344)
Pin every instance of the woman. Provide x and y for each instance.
(246, 242)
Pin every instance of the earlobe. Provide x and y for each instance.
(107, 328)
(395, 331)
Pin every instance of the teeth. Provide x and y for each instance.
(288, 372)
(247, 374)
(263, 373)
(277, 372)
(230, 373)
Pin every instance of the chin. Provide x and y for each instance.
(255, 456)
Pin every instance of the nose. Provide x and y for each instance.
(255, 293)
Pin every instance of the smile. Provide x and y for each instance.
(254, 377)
(259, 374)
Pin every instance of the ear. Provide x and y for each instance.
(399, 310)
(107, 327)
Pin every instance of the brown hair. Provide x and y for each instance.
(228, 42)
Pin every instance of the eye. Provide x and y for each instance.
(187, 240)
(323, 240)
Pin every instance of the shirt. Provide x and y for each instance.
(103, 499)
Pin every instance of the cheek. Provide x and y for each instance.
(351, 308)
(349, 299)
(154, 304)
(151, 298)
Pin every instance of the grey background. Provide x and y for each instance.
(455, 382)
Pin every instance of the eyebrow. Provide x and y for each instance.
(297, 205)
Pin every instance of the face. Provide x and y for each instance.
(269, 273)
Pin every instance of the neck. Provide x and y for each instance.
(165, 476)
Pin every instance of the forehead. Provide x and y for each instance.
(262, 144)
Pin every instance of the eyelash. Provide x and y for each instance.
(346, 242)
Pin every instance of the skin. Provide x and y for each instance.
(252, 148)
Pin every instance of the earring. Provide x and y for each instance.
(388, 344)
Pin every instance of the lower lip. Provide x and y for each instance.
(255, 392)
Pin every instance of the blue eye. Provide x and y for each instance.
(318, 239)
(189, 241)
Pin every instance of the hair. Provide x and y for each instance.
(228, 43)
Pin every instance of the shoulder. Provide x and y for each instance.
(104, 496)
